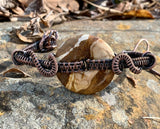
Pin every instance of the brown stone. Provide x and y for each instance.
(85, 47)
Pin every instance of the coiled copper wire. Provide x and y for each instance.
(45, 72)
(135, 61)
(128, 60)
(48, 69)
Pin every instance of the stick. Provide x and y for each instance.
(156, 118)
(103, 8)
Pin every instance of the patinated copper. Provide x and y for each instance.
(135, 61)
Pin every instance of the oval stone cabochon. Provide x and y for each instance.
(80, 48)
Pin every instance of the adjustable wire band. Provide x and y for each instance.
(135, 61)
(129, 60)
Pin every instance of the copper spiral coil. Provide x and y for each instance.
(31, 59)
(117, 69)
(143, 61)
(48, 73)
(46, 44)
(152, 61)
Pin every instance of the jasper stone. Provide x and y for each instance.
(85, 47)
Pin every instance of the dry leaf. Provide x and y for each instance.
(18, 11)
(33, 31)
(124, 6)
(63, 10)
(24, 38)
(68, 5)
(9, 7)
(15, 73)
(25, 3)
(52, 19)
(27, 36)
(58, 6)
(139, 14)
(30, 32)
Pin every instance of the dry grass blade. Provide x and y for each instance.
(157, 119)
(103, 8)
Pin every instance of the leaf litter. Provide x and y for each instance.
(42, 14)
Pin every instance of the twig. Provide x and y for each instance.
(103, 8)
(154, 72)
(156, 118)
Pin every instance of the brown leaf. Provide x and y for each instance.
(8, 4)
(141, 13)
(33, 31)
(26, 36)
(15, 73)
(124, 6)
(25, 3)
(51, 18)
(30, 32)
(18, 11)
(9, 7)
(58, 6)
(68, 5)
(34, 6)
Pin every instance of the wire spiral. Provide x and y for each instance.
(28, 57)
(131, 60)
(123, 57)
